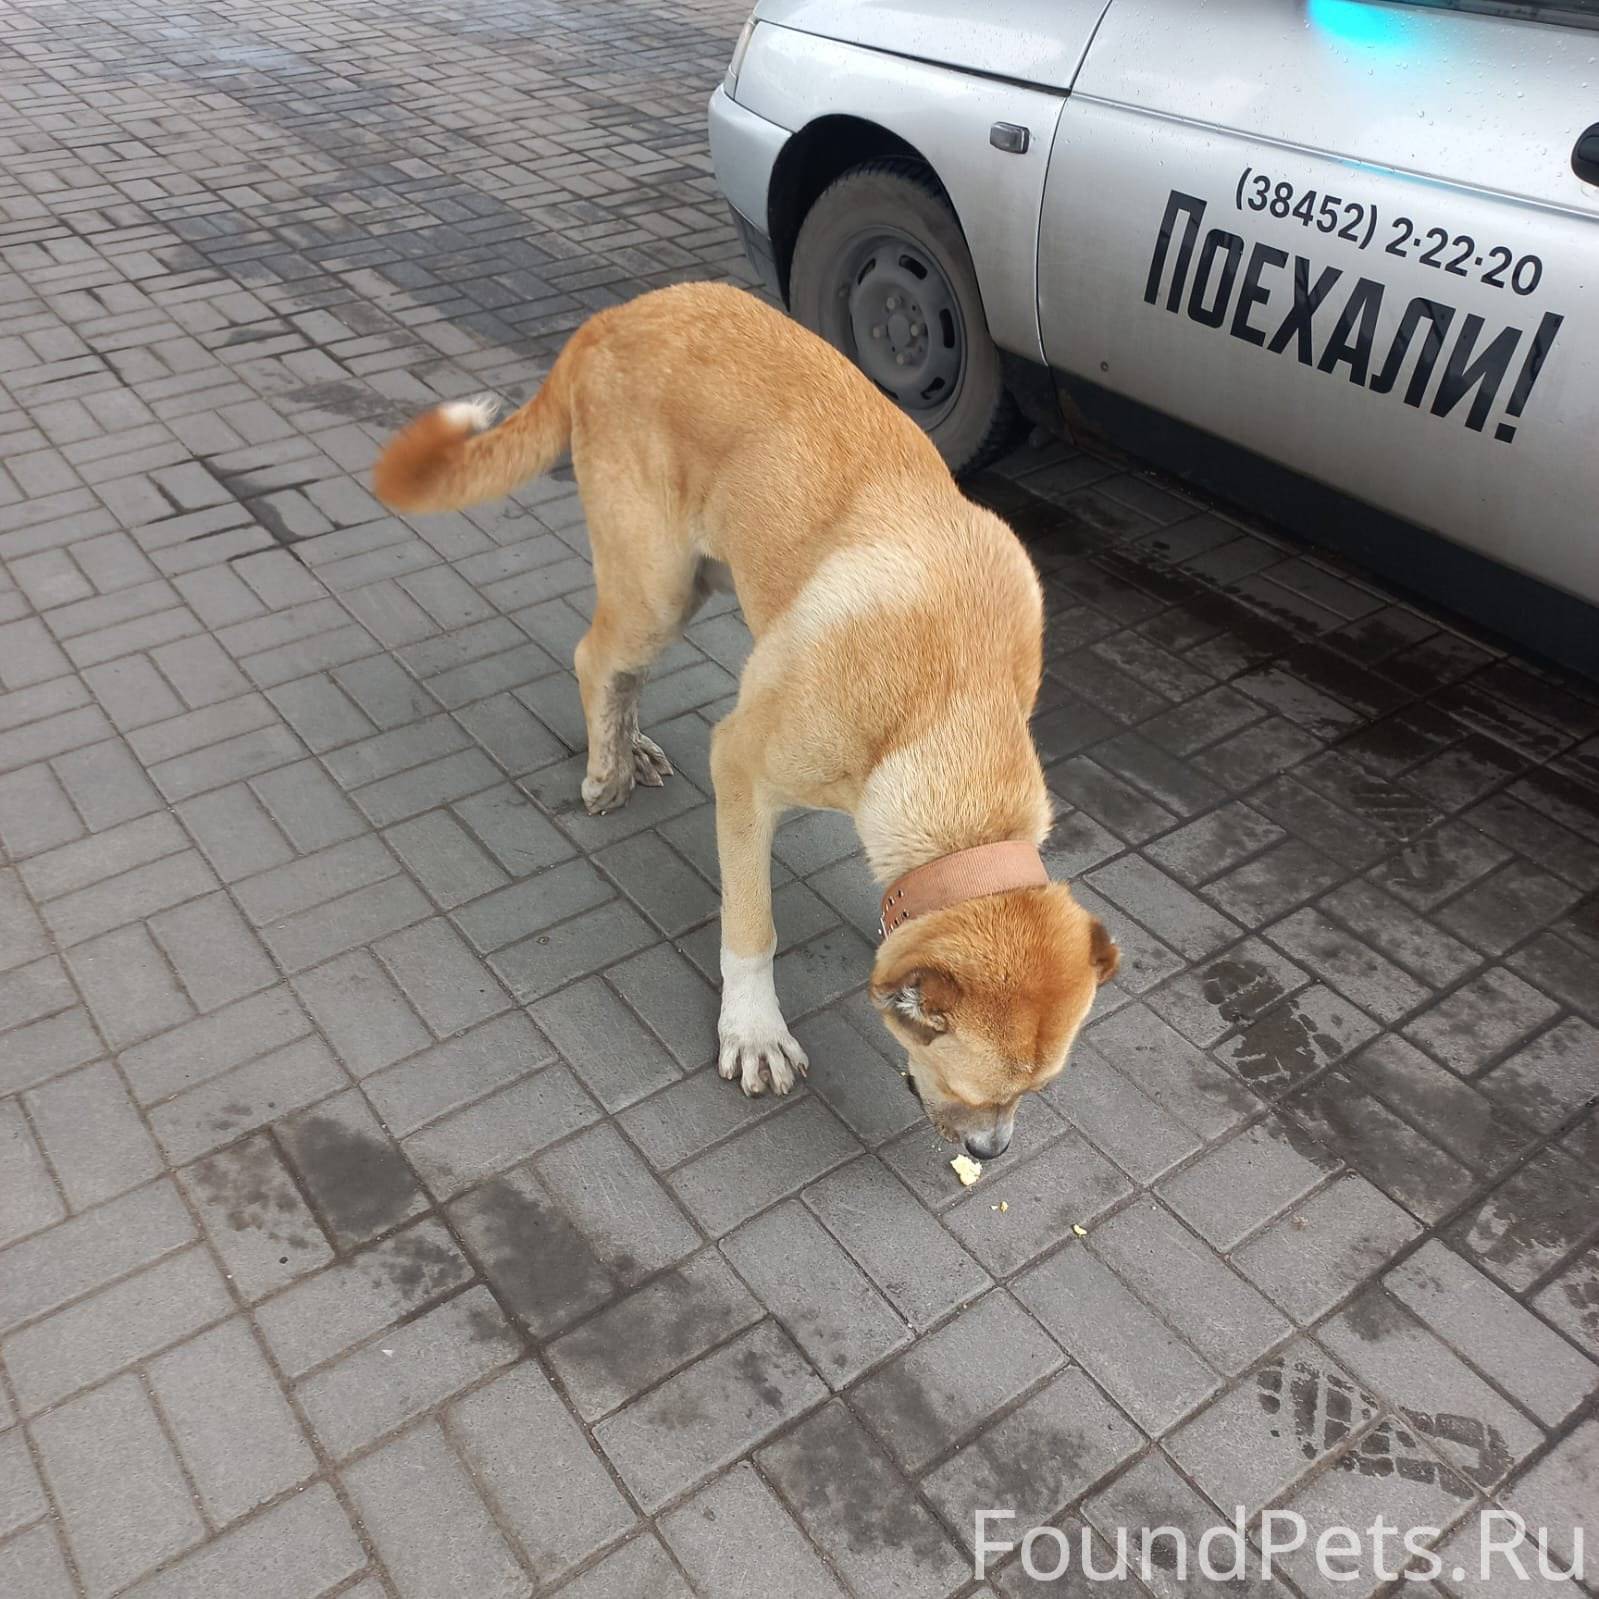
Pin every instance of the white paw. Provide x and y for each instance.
(759, 1062)
(475, 414)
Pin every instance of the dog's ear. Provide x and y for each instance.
(1102, 951)
(920, 1000)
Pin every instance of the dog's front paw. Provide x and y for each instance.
(757, 1062)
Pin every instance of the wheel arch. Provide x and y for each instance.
(820, 152)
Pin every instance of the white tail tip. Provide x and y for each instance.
(474, 414)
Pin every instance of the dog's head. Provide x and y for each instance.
(987, 997)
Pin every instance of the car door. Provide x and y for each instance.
(1351, 237)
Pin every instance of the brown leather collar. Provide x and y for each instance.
(967, 874)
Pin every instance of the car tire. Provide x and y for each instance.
(881, 270)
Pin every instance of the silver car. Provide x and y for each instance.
(1342, 246)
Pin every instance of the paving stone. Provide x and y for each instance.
(1438, 1396)
(130, 990)
(1349, 1121)
(234, 832)
(255, 1217)
(329, 1313)
(1312, 1257)
(532, 906)
(1287, 1047)
(639, 1567)
(922, 1271)
(355, 1175)
(119, 901)
(550, 1490)
(434, 1533)
(122, 1495)
(828, 1305)
(210, 1045)
(1556, 1494)
(1139, 1361)
(633, 1343)
(609, 1048)
(1467, 1573)
(498, 1131)
(28, 1198)
(1243, 1183)
(35, 813)
(1083, 1552)
(417, 1091)
(106, 784)
(1162, 1515)
(1388, 1471)
(1406, 938)
(1550, 1078)
(1049, 1195)
(708, 1415)
(1571, 1302)
(95, 1337)
(1192, 1090)
(1501, 910)
(232, 1425)
(22, 1497)
(382, 1386)
(1225, 1319)
(106, 854)
(305, 802)
(216, 956)
(1480, 1020)
(853, 1502)
(445, 859)
(855, 1075)
(321, 712)
(301, 1547)
(1232, 989)
(449, 987)
(1068, 1423)
(1272, 1428)
(603, 1232)
(1213, 844)
(1536, 1218)
(1459, 1119)
(93, 1135)
(34, 1564)
(664, 886)
(734, 1536)
(771, 1160)
(949, 1383)
(214, 1113)
(44, 1272)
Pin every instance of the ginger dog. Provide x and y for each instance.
(898, 653)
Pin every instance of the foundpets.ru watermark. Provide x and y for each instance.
(1505, 1551)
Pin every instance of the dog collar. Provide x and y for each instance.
(967, 874)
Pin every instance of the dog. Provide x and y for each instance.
(898, 654)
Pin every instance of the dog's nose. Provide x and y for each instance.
(989, 1145)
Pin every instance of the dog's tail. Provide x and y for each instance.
(452, 456)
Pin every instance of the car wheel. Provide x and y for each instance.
(882, 272)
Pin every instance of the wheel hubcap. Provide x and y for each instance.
(901, 323)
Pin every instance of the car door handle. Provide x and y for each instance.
(1585, 158)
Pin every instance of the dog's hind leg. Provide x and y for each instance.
(644, 585)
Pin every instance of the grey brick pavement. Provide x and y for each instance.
(371, 1220)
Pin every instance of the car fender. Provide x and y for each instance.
(795, 79)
